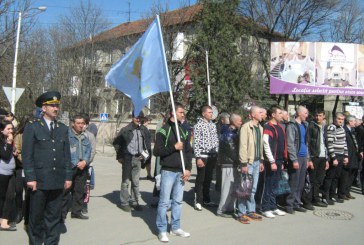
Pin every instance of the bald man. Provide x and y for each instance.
(297, 160)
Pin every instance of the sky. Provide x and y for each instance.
(115, 11)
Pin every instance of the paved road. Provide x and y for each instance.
(110, 225)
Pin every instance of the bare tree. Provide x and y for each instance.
(285, 20)
(9, 10)
(347, 26)
(293, 19)
(74, 53)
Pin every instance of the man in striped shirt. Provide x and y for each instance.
(338, 155)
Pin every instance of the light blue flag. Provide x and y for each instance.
(142, 71)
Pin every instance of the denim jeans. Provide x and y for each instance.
(270, 186)
(248, 206)
(171, 183)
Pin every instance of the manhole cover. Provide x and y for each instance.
(333, 214)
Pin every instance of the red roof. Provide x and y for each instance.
(175, 17)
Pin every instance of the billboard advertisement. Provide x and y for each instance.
(317, 68)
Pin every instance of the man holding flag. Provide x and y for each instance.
(168, 147)
(139, 74)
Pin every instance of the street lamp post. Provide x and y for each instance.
(207, 71)
(208, 78)
(15, 67)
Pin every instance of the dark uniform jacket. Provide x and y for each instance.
(46, 159)
(125, 136)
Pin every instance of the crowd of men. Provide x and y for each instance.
(322, 161)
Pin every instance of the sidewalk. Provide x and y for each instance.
(110, 225)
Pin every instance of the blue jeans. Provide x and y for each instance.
(171, 183)
(270, 186)
(248, 206)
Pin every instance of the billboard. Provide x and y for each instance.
(317, 68)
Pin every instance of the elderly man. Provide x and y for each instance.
(251, 160)
(229, 161)
(355, 154)
(298, 160)
(263, 111)
(131, 144)
(80, 158)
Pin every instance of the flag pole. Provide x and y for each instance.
(170, 93)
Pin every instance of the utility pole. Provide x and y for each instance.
(129, 11)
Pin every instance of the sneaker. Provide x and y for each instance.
(243, 219)
(163, 237)
(210, 204)
(254, 216)
(84, 210)
(198, 207)
(279, 212)
(180, 232)
(269, 214)
(338, 200)
(328, 201)
(290, 210)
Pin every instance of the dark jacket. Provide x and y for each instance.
(353, 150)
(7, 161)
(271, 147)
(46, 159)
(125, 136)
(314, 134)
(166, 138)
(360, 137)
(228, 148)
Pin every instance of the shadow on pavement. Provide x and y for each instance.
(149, 212)
(113, 197)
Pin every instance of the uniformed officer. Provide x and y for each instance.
(47, 168)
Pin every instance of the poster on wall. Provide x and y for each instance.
(317, 68)
(354, 108)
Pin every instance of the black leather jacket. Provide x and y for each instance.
(124, 137)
